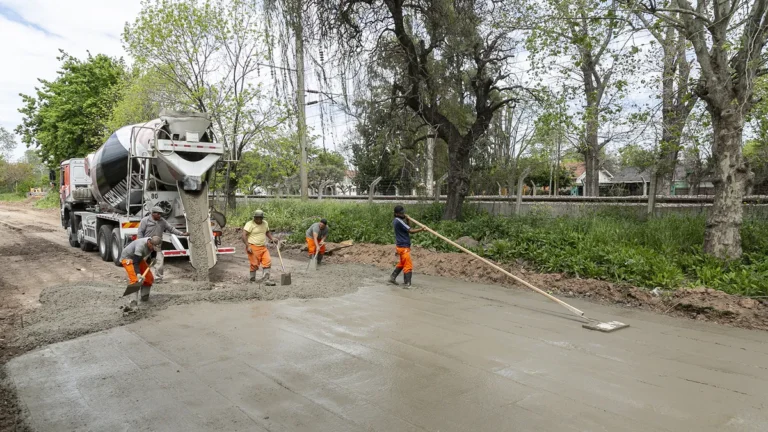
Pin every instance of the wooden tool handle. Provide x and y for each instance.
(519, 280)
(280, 256)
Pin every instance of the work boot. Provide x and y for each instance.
(145, 293)
(253, 276)
(395, 274)
(267, 281)
(319, 259)
(407, 280)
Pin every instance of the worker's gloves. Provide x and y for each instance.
(140, 280)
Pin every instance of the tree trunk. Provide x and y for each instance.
(592, 179)
(429, 179)
(231, 194)
(458, 180)
(652, 195)
(722, 237)
(520, 183)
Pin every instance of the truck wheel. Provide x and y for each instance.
(72, 235)
(116, 246)
(105, 242)
(85, 245)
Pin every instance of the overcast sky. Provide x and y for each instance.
(32, 32)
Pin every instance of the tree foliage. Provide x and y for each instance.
(7, 144)
(68, 117)
(447, 64)
(206, 53)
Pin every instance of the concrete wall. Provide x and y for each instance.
(559, 208)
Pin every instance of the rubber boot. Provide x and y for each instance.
(253, 276)
(407, 282)
(395, 274)
(319, 259)
(145, 293)
(267, 281)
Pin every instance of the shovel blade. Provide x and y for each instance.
(285, 279)
(132, 288)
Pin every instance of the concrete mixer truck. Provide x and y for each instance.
(164, 162)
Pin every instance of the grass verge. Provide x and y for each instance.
(612, 244)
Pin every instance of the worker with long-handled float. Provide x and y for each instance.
(403, 233)
(134, 261)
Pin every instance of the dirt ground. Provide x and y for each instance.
(700, 304)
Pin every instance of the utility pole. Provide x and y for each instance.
(298, 30)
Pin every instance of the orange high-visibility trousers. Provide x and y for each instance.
(405, 259)
(311, 247)
(259, 256)
(133, 277)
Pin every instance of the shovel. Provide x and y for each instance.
(135, 287)
(312, 265)
(285, 278)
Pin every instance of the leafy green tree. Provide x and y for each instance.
(590, 36)
(728, 39)
(207, 53)
(7, 144)
(67, 117)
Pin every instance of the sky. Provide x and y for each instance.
(33, 31)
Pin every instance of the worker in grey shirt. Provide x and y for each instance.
(316, 235)
(154, 225)
(134, 261)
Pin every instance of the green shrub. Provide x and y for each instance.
(51, 200)
(613, 244)
(11, 196)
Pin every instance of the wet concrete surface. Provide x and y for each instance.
(447, 356)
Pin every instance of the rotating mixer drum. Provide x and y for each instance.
(184, 154)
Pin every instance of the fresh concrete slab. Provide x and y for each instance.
(446, 356)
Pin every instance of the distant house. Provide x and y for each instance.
(579, 174)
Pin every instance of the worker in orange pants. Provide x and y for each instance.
(316, 235)
(134, 261)
(255, 236)
(403, 245)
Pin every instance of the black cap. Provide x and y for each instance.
(324, 222)
(399, 209)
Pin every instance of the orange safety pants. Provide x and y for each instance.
(311, 247)
(133, 277)
(259, 255)
(405, 259)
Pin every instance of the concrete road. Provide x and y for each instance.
(447, 356)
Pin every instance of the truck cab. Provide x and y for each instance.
(74, 194)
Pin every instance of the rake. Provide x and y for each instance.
(591, 324)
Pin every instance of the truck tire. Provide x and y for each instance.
(85, 245)
(72, 234)
(105, 242)
(117, 246)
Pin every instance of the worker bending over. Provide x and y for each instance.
(134, 261)
(255, 235)
(154, 225)
(316, 235)
(403, 245)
